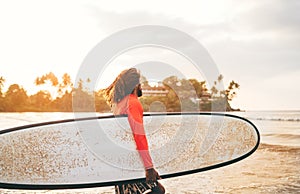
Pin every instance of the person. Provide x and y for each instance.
(123, 95)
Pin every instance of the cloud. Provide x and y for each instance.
(270, 20)
(261, 38)
(110, 21)
(274, 15)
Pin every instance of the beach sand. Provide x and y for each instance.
(272, 169)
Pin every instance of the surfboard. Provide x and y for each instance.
(100, 151)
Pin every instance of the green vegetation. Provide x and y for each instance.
(179, 95)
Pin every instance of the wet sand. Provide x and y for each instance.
(272, 169)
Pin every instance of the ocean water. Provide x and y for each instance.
(273, 168)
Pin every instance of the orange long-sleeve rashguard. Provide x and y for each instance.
(131, 106)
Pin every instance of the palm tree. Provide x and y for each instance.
(2, 80)
(214, 91)
(230, 92)
(66, 85)
(220, 78)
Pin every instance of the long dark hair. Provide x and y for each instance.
(123, 85)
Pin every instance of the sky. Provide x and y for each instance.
(255, 43)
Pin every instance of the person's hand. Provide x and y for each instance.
(152, 175)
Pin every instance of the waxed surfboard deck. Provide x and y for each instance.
(93, 152)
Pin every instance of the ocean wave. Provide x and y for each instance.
(279, 148)
(275, 119)
(283, 136)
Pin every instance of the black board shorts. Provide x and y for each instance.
(135, 188)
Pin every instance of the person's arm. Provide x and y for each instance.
(135, 118)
